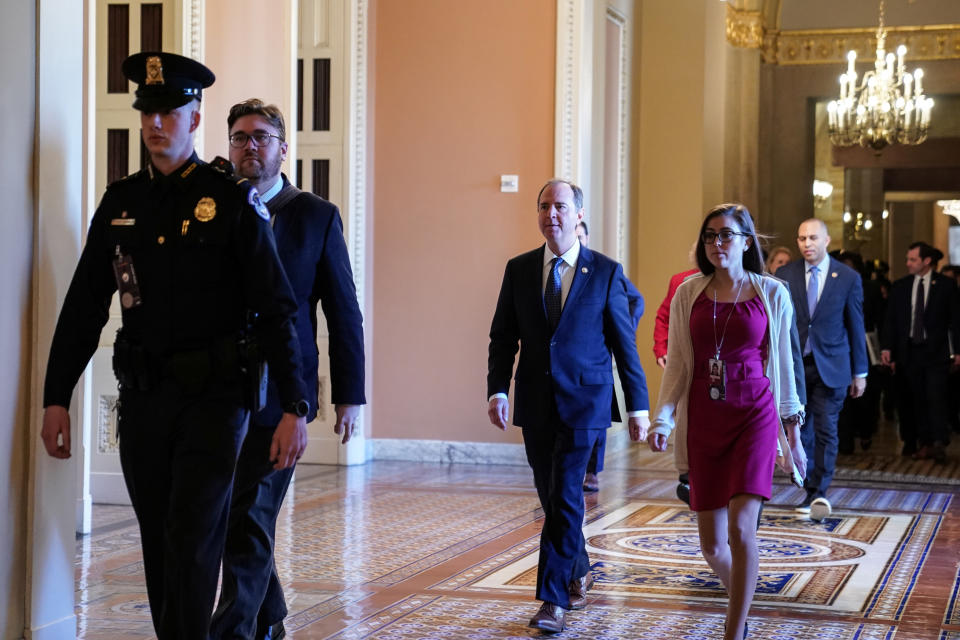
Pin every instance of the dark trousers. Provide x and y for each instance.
(595, 464)
(558, 457)
(178, 453)
(926, 377)
(859, 416)
(819, 430)
(251, 595)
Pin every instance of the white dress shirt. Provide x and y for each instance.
(567, 268)
(917, 280)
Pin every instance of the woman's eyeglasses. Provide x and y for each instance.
(726, 235)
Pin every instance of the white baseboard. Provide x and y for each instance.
(108, 487)
(467, 452)
(63, 629)
(448, 452)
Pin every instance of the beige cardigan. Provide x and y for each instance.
(675, 387)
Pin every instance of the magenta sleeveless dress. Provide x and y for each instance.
(731, 443)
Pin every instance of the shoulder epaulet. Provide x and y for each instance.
(222, 165)
(252, 196)
(128, 179)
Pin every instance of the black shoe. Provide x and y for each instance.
(939, 454)
(683, 492)
(866, 443)
(273, 632)
(804, 507)
(909, 449)
(591, 483)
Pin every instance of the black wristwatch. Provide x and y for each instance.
(298, 408)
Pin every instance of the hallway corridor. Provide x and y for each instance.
(404, 551)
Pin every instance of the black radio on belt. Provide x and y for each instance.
(126, 276)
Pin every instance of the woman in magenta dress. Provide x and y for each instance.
(729, 389)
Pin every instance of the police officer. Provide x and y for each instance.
(190, 252)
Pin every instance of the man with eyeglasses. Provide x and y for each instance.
(190, 252)
(309, 237)
(828, 303)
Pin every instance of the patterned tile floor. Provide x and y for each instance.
(406, 551)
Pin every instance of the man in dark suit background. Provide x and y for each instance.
(310, 243)
(591, 481)
(920, 337)
(565, 307)
(828, 302)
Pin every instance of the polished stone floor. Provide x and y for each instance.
(403, 551)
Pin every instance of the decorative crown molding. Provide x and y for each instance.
(830, 46)
(744, 28)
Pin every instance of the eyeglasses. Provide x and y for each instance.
(260, 138)
(725, 235)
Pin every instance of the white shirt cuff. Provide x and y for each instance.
(497, 395)
(638, 414)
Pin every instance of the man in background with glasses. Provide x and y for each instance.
(309, 238)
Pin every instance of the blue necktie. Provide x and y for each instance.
(812, 288)
(551, 295)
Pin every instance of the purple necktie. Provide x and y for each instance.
(812, 289)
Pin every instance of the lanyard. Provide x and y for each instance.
(719, 345)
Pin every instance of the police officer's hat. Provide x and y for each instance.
(165, 80)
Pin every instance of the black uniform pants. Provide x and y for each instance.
(251, 596)
(178, 454)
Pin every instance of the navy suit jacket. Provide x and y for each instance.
(836, 331)
(573, 366)
(941, 318)
(634, 302)
(309, 237)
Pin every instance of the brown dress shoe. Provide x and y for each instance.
(551, 618)
(578, 591)
(591, 483)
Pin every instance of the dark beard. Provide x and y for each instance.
(258, 170)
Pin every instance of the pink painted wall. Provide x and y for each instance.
(464, 93)
(247, 49)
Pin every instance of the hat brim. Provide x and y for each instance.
(160, 102)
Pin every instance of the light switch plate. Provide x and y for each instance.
(509, 183)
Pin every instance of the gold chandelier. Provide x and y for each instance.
(888, 107)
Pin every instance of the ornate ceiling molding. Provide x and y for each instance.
(744, 28)
(830, 46)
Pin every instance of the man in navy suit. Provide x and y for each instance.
(828, 302)
(565, 307)
(309, 237)
(921, 337)
(591, 481)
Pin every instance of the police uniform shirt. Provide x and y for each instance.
(203, 253)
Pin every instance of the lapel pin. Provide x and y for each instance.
(833, 275)
(583, 269)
